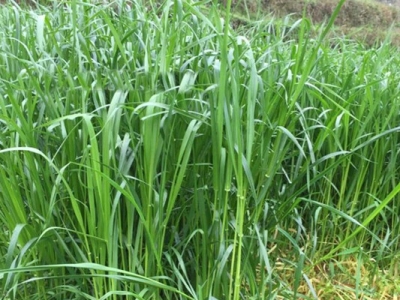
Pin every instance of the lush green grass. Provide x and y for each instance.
(158, 154)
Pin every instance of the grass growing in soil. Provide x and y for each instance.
(155, 153)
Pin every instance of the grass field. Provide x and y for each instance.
(154, 152)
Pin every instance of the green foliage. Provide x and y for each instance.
(151, 152)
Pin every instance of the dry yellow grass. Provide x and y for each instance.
(348, 277)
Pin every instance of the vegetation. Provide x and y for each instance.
(154, 152)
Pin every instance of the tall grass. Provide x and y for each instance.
(158, 154)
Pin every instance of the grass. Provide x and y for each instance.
(153, 152)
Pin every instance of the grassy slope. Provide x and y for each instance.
(365, 20)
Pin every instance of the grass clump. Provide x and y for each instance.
(162, 155)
